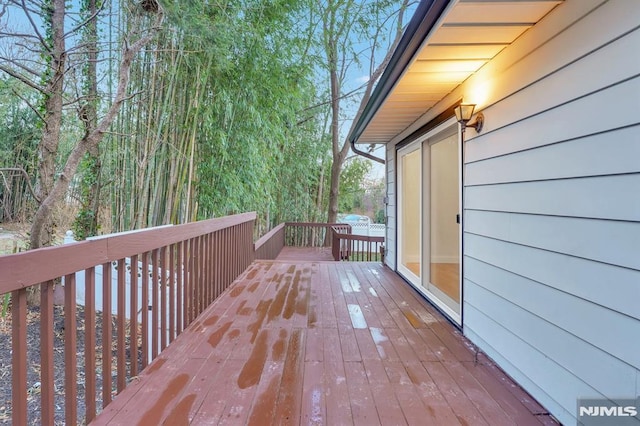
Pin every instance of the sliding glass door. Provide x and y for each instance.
(409, 213)
(429, 229)
(443, 283)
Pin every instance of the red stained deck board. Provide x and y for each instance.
(389, 410)
(463, 408)
(290, 392)
(363, 407)
(349, 345)
(300, 342)
(432, 398)
(478, 395)
(336, 393)
(324, 301)
(313, 410)
(314, 347)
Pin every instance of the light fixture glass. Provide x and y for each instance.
(464, 112)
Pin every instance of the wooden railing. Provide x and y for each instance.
(344, 245)
(350, 247)
(271, 243)
(310, 234)
(180, 270)
(141, 290)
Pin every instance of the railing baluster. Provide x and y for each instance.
(121, 321)
(46, 352)
(19, 355)
(163, 298)
(154, 304)
(70, 351)
(217, 264)
(191, 282)
(196, 278)
(207, 271)
(172, 292)
(199, 262)
(225, 260)
(89, 343)
(204, 254)
(237, 242)
(180, 288)
(133, 314)
(186, 294)
(144, 309)
(106, 334)
(199, 265)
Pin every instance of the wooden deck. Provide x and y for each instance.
(321, 343)
(297, 254)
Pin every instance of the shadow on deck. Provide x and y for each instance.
(302, 342)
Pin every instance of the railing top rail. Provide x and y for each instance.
(36, 266)
(316, 224)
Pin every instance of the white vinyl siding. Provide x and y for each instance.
(552, 213)
(390, 237)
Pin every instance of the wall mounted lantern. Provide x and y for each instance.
(464, 112)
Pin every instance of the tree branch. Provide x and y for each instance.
(35, 27)
(21, 66)
(87, 21)
(25, 100)
(26, 177)
(23, 79)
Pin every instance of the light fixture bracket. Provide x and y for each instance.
(478, 123)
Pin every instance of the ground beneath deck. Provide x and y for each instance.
(321, 343)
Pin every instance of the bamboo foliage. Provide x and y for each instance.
(214, 134)
(19, 137)
(218, 117)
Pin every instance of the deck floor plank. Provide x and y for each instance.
(290, 392)
(363, 407)
(296, 342)
(336, 390)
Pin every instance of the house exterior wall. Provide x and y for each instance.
(552, 215)
(391, 211)
(552, 207)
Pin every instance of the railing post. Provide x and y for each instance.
(19, 355)
(335, 244)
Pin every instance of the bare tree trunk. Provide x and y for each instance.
(90, 141)
(86, 223)
(48, 148)
(337, 71)
(339, 152)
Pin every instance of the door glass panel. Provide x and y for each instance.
(444, 265)
(410, 208)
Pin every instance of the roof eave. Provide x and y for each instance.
(425, 18)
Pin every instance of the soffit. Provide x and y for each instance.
(470, 34)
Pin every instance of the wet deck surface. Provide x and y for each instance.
(321, 343)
